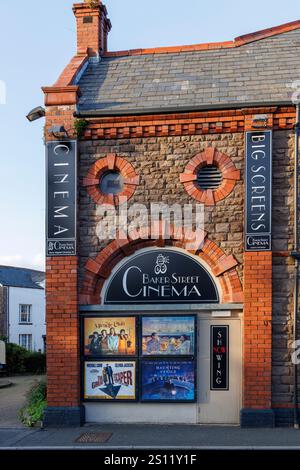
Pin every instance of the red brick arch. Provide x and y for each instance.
(221, 265)
(99, 168)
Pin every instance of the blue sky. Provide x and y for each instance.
(37, 39)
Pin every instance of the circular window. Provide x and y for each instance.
(209, 177)
(112, 182)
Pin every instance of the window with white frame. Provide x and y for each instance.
(26, 341)
(25, 313)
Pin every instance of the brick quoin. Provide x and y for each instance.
(62, 332)
(63, 365)
(257, 330)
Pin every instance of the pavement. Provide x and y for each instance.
(4, 383)
(13, 435)
(155, 437)
(13, 398)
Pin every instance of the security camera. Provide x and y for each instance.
(36, 113)
(58, 131)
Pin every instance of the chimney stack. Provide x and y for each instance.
(93, 27)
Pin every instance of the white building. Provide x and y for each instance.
(22, 307)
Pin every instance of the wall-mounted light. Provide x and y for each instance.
(36, 113)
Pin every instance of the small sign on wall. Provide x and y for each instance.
(258, 216)
(219, 358)
(61, 167)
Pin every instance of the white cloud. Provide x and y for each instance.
(36, 262)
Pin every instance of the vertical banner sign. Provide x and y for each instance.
(61, 166)
(258, 217)
(219, 358)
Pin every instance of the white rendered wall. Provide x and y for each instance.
(36, 298)
(141, 413)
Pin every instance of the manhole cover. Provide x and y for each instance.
(94, 437)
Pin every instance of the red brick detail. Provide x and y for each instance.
(111, 162)
(267, 33)
(99, 269)
(184, 124)
(239, 41)
(60, 115)
(93, 27)
(251, 123)
(225, 264)
(60, 96)
(210, 156)
(71, 71)
(64, 92)
(63, 367)
(257, 329)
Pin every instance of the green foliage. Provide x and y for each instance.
(80, 125)
(33, 411)
(20, 361)
(15, 358)
(92, 3)
(35, 362)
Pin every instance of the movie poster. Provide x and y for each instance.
(168, 380)
(110, 336)
(170, 335)
(106, 380)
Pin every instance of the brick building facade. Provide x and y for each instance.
(156, 116)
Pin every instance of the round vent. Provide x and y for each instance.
(209, 177)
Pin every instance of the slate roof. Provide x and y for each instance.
(21, 277)
(257, 72)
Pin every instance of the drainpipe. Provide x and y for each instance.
(296, 256)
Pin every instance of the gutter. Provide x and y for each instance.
(91, 113)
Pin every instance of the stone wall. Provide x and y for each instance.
(159, 163)
(282, 370)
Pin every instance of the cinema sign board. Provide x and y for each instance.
(161, 276)
(61, 191)
(258, 213)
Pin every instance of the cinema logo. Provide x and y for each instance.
(161, 264)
